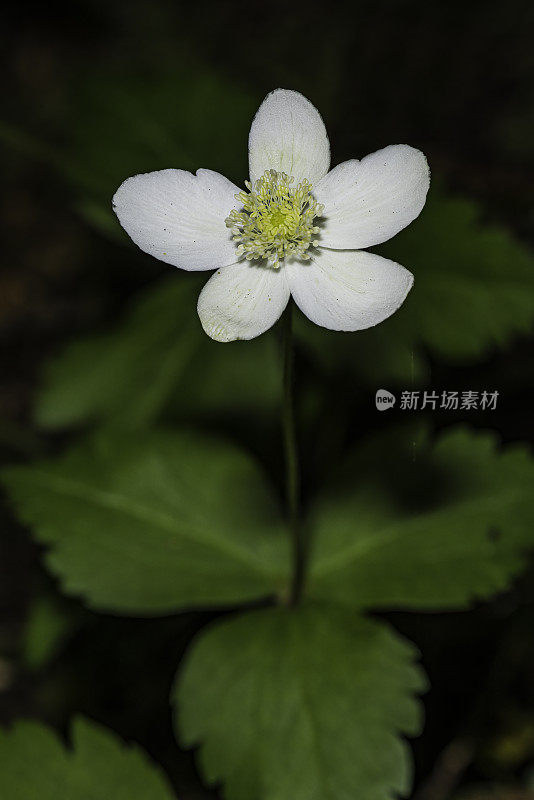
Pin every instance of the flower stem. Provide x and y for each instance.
(292, 460)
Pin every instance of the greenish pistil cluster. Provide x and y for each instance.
(276, 221)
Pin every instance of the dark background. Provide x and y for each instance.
(96, 91)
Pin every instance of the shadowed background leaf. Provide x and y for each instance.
(34, 765)
(159, 356)
(473, 290)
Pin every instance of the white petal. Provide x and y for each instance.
(288, 135)
(348, 290)
(369, 201)
(179, 217)
(242, 300)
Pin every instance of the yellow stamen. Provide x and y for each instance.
(276, 221)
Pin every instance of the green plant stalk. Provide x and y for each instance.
(292, 462)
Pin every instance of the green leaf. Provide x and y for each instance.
(473, 290)
(158, 357)
(474, 282)
(127, 375)
(301, 704)
(157, 523)
(123, 123)
(34, 765)
(377, 544)
(48, 625)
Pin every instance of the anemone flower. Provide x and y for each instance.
(298, 230)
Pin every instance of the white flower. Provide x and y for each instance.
(299, 229)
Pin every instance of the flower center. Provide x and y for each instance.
(276, 221)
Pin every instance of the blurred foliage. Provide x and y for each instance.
(34, 765)
(48, 625)
(475, 281)
(185, 118)
(511, 747)
(301, 704)
(141, 122)
(157, 355)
